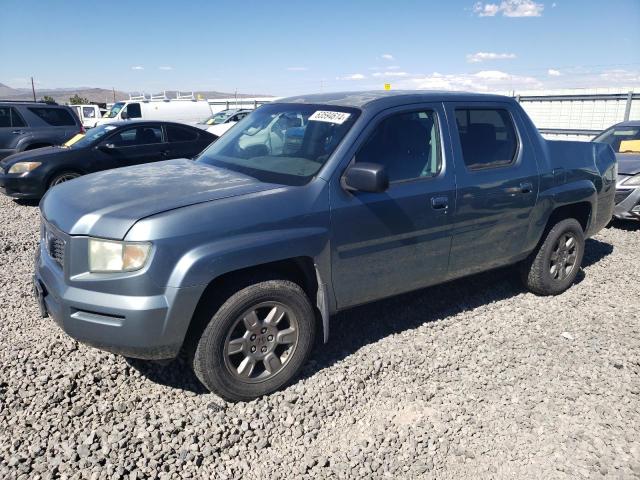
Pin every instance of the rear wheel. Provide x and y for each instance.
(256, 342)
(62, 177)
(553, 267)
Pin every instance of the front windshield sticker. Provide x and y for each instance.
(330, 117)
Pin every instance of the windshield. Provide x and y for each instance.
(91, 136)
(114, 110)
(282, 143)
(621, 139)
(219, 117)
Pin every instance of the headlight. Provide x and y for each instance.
(24, 167)
(633, 181)
(110, 256)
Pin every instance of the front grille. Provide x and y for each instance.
(621, 195)
(55, 247)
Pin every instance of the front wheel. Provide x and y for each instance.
(553, 267)
(62, 177)
(256, 342)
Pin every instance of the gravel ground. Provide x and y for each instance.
(472, 379)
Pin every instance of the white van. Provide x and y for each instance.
(88, 114)
(182, 109)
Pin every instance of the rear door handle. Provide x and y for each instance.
(17, 132)
(440, 203)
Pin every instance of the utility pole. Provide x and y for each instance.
(114, 94)
(33, 90)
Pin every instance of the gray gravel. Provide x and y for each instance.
(472, 379)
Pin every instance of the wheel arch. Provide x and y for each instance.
(301, 270)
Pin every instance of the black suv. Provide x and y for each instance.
(28, 125)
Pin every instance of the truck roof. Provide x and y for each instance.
(385, 99)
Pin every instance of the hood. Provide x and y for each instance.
(37, 154)
(107, 204)
(628, 163)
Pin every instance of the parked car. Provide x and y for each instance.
(182, 109)
(624, 138)
(31, 174)
(88, 114)
(242, 256)
(28, 125)
(222, 121)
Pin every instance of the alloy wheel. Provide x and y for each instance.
(261, 342)
(563, 256)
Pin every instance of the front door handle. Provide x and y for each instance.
(524, 187)
(440, 203)
(17, 132)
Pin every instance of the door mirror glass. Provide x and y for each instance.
(366, 177)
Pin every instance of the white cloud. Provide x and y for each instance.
(483, 81)
(137, 67)
(479, 57)
(387, 56)
(391, 74)
(353, 76)
(165, 67)
(553, 73)
(620, 77)
(554, 5)
(297, 69)
(509, 8)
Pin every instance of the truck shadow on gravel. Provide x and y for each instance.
(352, 329)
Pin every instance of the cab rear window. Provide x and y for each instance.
(56, 117)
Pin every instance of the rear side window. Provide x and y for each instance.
(88, 112)
(407, 144)
(57, 117)
(9, 117)
(487, 136)
(179, 134)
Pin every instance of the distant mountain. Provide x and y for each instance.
(98, 95)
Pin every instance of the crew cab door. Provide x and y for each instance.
(399, 240)
(131, 146)
(497, 185)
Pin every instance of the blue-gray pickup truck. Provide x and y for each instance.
(308, 206)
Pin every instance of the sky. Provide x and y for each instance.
(291, 47)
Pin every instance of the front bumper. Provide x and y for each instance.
(146, 327)
(627, 204)
(21, 187)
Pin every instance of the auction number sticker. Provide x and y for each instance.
(330, 117)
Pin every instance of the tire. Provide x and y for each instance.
(62, 177)
(562, 248)
(263, 362)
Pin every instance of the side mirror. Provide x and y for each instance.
(366, 177)
(106, 147)
(124, 115)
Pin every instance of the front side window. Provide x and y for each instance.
(133, 110)
(282, 143)
(406, 144)
(621, 139)
(487, 136)
(134, 137)
(57, 117)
